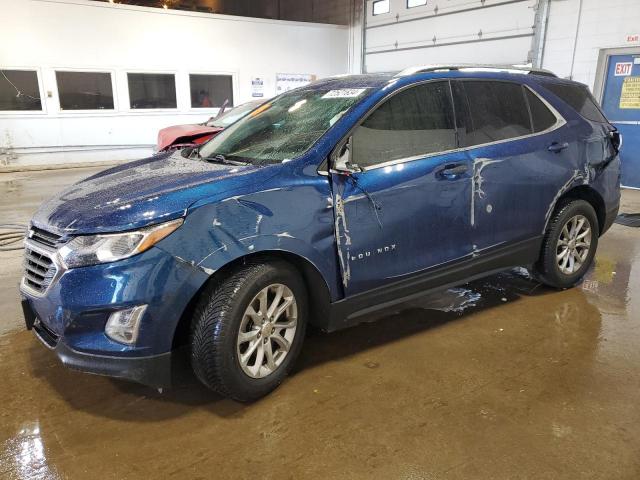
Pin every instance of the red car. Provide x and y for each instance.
(181, 136)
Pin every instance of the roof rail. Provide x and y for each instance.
(520, 69)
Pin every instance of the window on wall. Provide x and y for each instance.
(19, 90)
(490, 111)
(416, 3)
(85, 90)
(416, 121)
(211, 91)
(380, 7)
(152, 90)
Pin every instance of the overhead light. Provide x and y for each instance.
(165, 6)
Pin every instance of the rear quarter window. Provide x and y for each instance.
(579, 98)
(541, 117)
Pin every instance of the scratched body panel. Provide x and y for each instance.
(243, 224)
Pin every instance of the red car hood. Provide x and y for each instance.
(183, 134)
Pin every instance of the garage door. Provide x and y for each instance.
(401, 33)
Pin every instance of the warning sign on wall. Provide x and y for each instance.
(630, 95)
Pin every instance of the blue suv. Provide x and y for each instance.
(321, 206)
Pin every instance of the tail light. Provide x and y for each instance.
(616, 139)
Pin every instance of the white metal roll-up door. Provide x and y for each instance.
(449, 32)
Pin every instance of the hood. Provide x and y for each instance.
(139, 193)
(183, 134)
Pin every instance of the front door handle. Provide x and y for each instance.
(556, 147)
(453, 170)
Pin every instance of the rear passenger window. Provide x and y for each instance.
(492, 111)
(541, 117)
(578, 97)
(416, 121)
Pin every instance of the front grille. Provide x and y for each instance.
(42, 236)
(39, 267)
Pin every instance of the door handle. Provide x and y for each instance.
(556, 147)
(452, 170)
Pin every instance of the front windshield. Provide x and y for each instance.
(283, 128)
(230, 116)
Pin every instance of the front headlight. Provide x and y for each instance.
(88, 250)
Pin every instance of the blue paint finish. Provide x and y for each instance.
(626, 120)
(78, 305)
(413, 218)
(359, 232)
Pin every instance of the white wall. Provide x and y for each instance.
(85, 35)
(404, 37)
(599, 25)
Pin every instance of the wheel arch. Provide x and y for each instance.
(590, 195)
(319, 296)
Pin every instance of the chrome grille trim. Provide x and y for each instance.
(43, 237)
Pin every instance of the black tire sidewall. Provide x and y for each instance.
(550, 270)
(227, 326)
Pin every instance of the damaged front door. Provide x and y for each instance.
(404, 206)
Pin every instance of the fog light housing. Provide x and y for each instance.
(123, 325)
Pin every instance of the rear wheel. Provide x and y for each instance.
(248, 330)
(569, 244)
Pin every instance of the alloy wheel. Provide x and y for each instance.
(573, 244)
(267, 330)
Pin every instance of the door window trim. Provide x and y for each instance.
(560, 121)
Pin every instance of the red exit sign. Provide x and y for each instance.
(623, 69)
(633, 38)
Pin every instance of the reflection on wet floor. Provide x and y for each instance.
(500, 378)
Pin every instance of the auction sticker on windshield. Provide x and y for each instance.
(344, 93)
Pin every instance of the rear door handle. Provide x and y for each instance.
(452, 170)
(556, 147)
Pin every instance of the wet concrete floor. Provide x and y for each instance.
(499, 379)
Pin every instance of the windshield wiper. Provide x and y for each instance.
(219, 158)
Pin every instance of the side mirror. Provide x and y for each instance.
(342, 161)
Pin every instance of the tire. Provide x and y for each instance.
(221, 313)
(568, 270)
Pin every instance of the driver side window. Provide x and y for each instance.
(416, 121)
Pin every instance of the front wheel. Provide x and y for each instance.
(248, 330)
(569, 244)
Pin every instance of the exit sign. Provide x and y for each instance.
(623, 69)
(635, 38)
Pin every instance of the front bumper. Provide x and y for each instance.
(70, 317)
(156, 371)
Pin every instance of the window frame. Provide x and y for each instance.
(212, 110)
(373, 8)
(560, 121)
(177, 83)
(92, 111)
(41, 92)
(415, 6)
